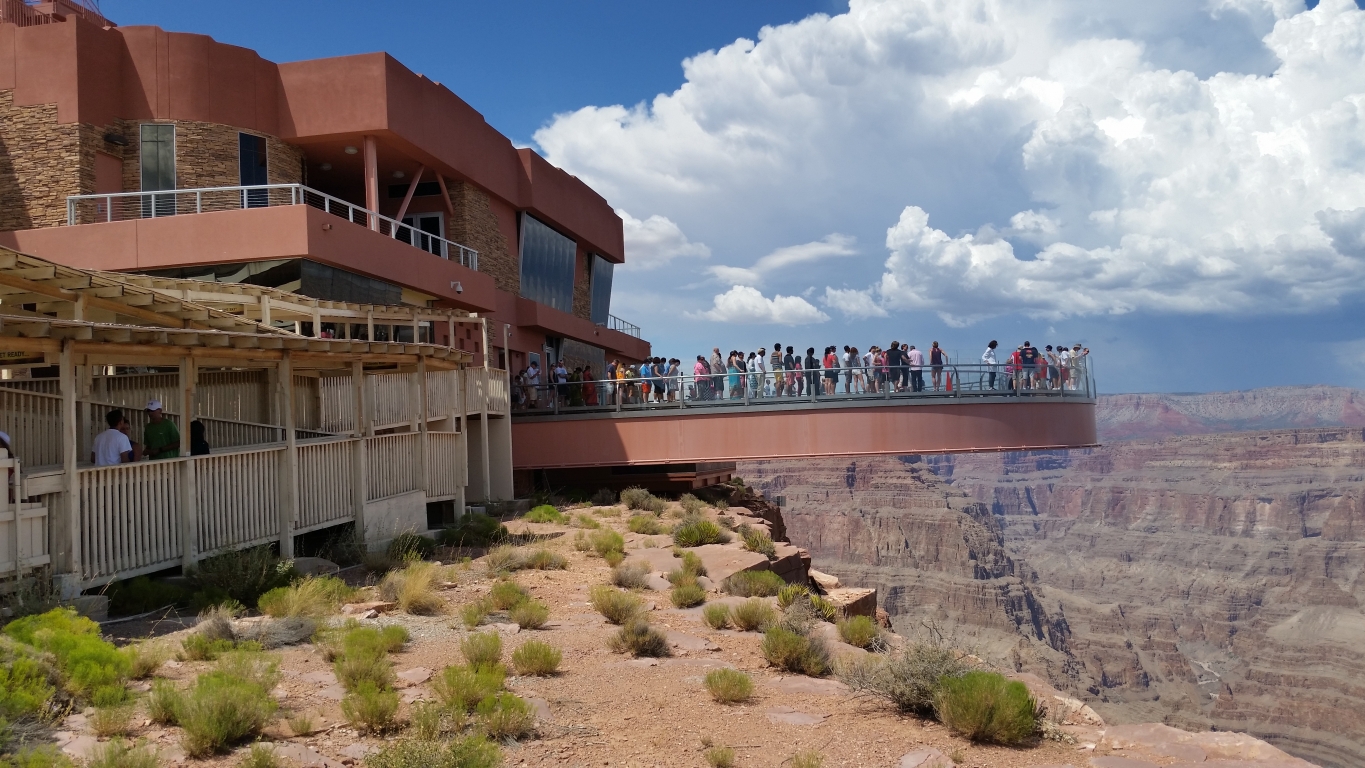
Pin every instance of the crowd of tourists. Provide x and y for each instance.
(785, 372)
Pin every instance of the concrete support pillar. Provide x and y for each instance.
(372, 179)
(289, 467)
(189, 512)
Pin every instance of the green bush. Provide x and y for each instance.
(473, 614)
(413, 588)
(86, 662)
(200, 647)
(364, 657)
(646, 524)
(614, 557)
(468, 752)
(824, 609)
(687, 594)
(606, 540)
(121, 754)
(753, 615)
(228, 704)
(461, 688)
(369, 708)
(507, 594)
(260, 756)
(691, 563)
(696, 532)
(536, 658)
(409, 546)
(753, 584)
(544, 514)
(635, 498)
(691, 505)
(638, 638)
(719, 757)
(482, 649)
(243, 575)
(505, 716)
(795, 653)
(313, 596)
(530, 614)
(986, 707)
(426, 720)
(115, 720)
(586, 521)
(729, 686)
(909, 679)
(145, 658)
(790, 594)
(27, 681)
(42, 756)
(162, 702)
(633, 575)
(545, 560)
(474, 530)
(716, 615)
(758, 540)
(618, 607)
(857, 630)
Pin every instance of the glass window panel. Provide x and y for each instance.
(601, 289)
(547, 265)
(157, 149)
(251, 169)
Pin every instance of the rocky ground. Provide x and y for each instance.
(605, 709)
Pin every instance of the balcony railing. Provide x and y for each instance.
(615, 323)
(126, 206)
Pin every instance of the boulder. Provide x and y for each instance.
(925, 757)
(791, 563)
(315, 566)
(854, 601)
(355, 609)
(823, 580)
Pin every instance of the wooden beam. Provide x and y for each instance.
(94, 302)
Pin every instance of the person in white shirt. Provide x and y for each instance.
(758, 372)
(533, 382)
(850, 361)
(112, 446)
(988, 360)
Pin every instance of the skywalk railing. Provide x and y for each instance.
(762, 390)
(127, 206)
(615, 323)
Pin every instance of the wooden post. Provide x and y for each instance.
(423, 449)
(372, 179)
(272, 383)
(189, 513)
(360, 463)
(483, 407)
(369, 320)
(450, 331)
(416, 329)
(289, 471)
(265, 309)
(66, 534)
(317, 321)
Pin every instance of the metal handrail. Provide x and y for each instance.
(127, 206)
(761, 389)
(615, 323)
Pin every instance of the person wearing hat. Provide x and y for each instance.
(160, 438)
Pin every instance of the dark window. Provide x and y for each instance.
(251, 170)
(424, 189)
(601, 289)
(423, 227)
(547, 265)
(157, 150)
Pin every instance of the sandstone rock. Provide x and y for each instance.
(854, 601)
(542, 709)
(824, 580)
(815, 685)
(657, 582)
(689, 642)
(505, 628)
(358, 751)
(791, 716)
(315, 566)
(926, 757)
(380, 606)
(1112, 761)
(81, 747)
(303, 756)
(415, 676)
(323, 677)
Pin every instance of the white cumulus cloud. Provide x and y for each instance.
(854, 303)
(655, 241)
(784, 259)
(747, 305)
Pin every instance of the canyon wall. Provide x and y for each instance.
(1151, 416)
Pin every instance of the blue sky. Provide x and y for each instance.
(1180, 186)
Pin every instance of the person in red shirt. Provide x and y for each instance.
(831, 362)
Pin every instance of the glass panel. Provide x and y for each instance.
(547, 265)
(251, 169)
(601, 289)
(157, 147)
(424, 225)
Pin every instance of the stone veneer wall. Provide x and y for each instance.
(206, 156)
(476, 226)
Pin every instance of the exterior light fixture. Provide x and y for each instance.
(351, 150)
(398, 174)
(459, 288)
(326, 166)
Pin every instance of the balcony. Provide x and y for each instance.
(615, 323)
(129, 206)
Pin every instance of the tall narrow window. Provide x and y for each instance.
(601, 289)
(547, 265)
(426, 233)
(251, 170)
(158, 168)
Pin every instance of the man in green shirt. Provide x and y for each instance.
(160, 439)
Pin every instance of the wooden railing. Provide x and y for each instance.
(447, 470)
(129, 519)
(393, 469)
(237, 499)
(31, 419)
(325, 484)
(394, 399)
(23, 527)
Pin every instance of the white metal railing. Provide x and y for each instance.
(392, 467)
(615, 323)
(127, 206)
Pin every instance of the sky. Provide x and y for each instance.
(1178, 185)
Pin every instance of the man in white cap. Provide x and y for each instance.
(160, 439)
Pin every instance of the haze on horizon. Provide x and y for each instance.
(1179, 186)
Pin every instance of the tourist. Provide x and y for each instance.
(701, 379)
(199, 444)
(775, 364)
(812, 367)
(674, 378)
(561, 381)
(936, 361)
(589, 386)
(758, 372)
(111, 446)
(1054, 377)
(791, 364)
(161, 438)
(732, 371)
(915, 359)
(831, 362)
(850, 361)
(533, 383)
(1028, 363)
(1078, 364)
(988, 360)
(865, 378)
(897, 376)
(609, 387)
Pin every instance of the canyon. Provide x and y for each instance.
(1197, 576)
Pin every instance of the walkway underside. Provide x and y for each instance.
(615, 439)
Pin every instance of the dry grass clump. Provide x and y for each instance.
(646, 524)
(719, 757)
(614, 557)
(116, 720)
(638, 638)
(636, 498)
(369, 708)
(483, 650)
(536, 659)
(505, 716)
(530, 614)
(586, 521)
(313, 596)
(986, 707)
(414, 588)
(260, 756)
(753, 584)
(758, 540)
(507, 594)
(795, 653)
(114, 754)
(302, 723)
(617, 606)
(361, 654)
(807, 758)
(631, 575)
(729, 686)
(427, 720)
(502, 559)
(695, 532)
(474, 751)
(859, 631)
(473, 614)
(460, 689)
(605, 540)
(752, 615)
(909, 679)
(545, 560)
(687, 594)
(691, 505)
(716, 615)
(145, 658)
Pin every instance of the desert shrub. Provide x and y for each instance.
(530, 614)
(474, 751)
(86, 662)
(482, 649)
(758, 540)
(121, 754)
(857, 630)
(414, 589)
(603, 497)
(545, 560)
(985, 706)
(790, 594)
(586, 521)
(409, 546)
(364, 658)
(228, 704)
(646, 524)
(145, 658)
(27, 681)
(394, 637)
(729, 686)
(461, 688)
(638, 638)
(580, 541)
(505, 716)
(162, 701)
(243, 575)
(199, 647)
(807, 758)
(691, 563)
(260, 756)
(606, 540)
(313, 596)
(635, 498)
(795, 653)
(507, 594)
(614, 558)
(687, 594)
(369, 708)
(696, 532)
(302, 723)
(691, 505)
(142, 594)
(114, 720)
(753, 584)
(42, 756)
(474, 530)
(473, 614)
(909, 678)
(502, 559)
(426, 720)
(719, 757)
(536, 658)
(716, 616)
(824, 608)
(617, 606)
(753, 615)
(631, 575)
(544, 514)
